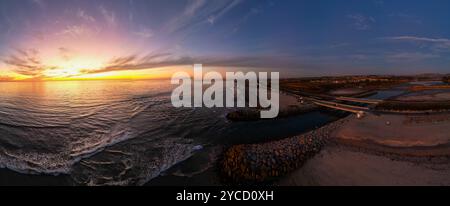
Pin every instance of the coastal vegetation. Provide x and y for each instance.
(323, 85)
(416, 88)
(393, 105)
(446, 79)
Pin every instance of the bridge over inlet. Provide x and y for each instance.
(333, 102)
(359, 100)
(360, 111)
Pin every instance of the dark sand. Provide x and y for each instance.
(399, 130)
(382, 150)
(341, 166)
(435, 95)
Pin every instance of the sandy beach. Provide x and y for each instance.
(381, 150)
(342, 166)
(398, 130)
(433, 95)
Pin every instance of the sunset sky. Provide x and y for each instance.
(115, 39)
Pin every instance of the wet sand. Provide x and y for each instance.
(440, 95)
(382, 150)
(397, 130)
(342, 166)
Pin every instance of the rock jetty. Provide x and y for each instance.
(255, 163)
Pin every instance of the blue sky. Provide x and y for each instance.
(295, 37)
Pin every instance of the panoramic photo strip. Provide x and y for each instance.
(233, 94)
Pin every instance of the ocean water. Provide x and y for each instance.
(119, 132)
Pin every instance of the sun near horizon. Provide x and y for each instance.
(43, 40)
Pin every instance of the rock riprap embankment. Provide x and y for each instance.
(266, 161)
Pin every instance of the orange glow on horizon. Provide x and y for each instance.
(73, 50)
(140, 74)
(154, 73)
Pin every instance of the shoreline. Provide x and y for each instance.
(363, 155)
(284, 161)
(383, 158)
(341, 165)
(259, 163)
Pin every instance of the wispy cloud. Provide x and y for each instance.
(26, 62)
(358, 57)
(83, 15)
(39, 3)
(193, 7)
(361, 22)
(419, 39)
(109, 16)
(131, 10)
(410, 56)
(252, 12)
(436, 43)
(65, 53)
(215, 16)
(200, 11)
(73, 31)
(135, 62)
(406, 17)
(378, 2)
(144, 32)
(339, 45)
(185, 17)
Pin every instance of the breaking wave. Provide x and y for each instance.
(93, 128)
